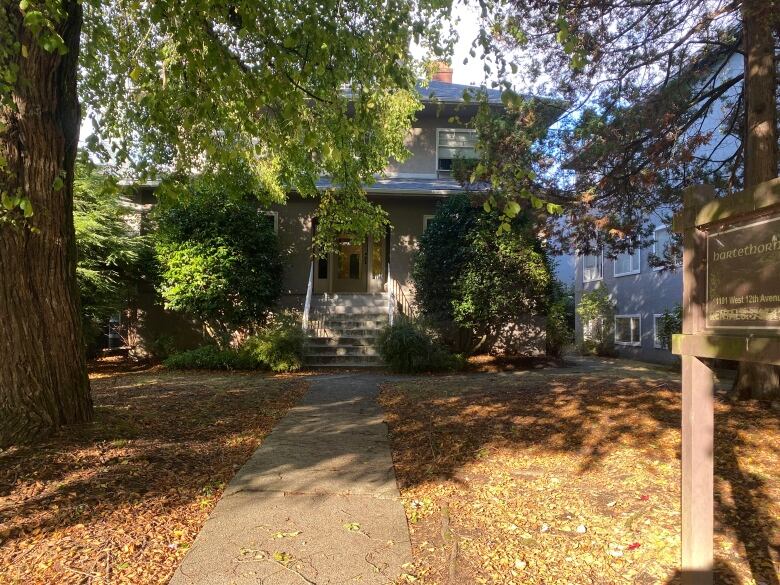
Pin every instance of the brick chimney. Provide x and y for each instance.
(443, 72)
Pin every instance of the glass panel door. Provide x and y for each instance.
(351, 260)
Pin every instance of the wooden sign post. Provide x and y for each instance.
(731, 310)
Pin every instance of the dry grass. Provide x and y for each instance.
(121, 499)
(554, 478)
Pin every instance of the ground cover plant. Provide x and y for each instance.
(121, 499)
(277, 347)
(408, 347)
(573, 478)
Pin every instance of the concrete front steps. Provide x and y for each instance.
(343, 329)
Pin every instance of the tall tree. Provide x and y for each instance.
(182, 86)
(664, 94)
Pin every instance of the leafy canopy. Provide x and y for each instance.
(656, 98)
(291, 89)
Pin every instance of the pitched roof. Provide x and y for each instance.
(403, 186)
(441, 91)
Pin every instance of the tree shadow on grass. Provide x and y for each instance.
(161, 447)
(440, 427)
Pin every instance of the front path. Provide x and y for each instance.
(317, 503)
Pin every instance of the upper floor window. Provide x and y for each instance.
(626, 263)
(452, 144)
(427, 219)
(592, 267)
(663, 240)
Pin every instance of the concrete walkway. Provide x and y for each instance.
(316, 503)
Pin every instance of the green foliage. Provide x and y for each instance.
(219, 259)
(110, 255)
(560, 319)
(597, 311)
(211, 357)
(670, 324)
(279, 345)
(259, 84)
(512, 156)
(466, 273)
(443, 251)
(409, 347)
(505, 277)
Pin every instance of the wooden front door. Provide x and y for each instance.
(350, 263)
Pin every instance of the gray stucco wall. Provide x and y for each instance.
(406, 213)
(421, 142)
(647, 293)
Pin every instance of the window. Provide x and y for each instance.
(427, 219)
(451, 144)
(592, 267)
(663, 239)
(628, 263)
(628, 330)
(273, 220)
(657, 341)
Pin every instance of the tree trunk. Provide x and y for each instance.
(759, 380)
(43, 379)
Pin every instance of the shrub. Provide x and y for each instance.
(110, 256)
(211, 357)
(409, 347)
(219, 260)
(597, 311)
(560, 315)
(670, 324)
(279, 345)
(472, 272)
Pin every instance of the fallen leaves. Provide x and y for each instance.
(121, 500)
(572, 479)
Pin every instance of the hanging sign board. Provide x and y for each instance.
(743, 277)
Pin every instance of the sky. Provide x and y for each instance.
(466, 20)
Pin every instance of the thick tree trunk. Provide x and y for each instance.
(757, 380)
(43, 380)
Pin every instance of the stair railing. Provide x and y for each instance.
(391, 304)
(307, 303)
(397, 301)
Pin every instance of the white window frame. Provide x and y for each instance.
(655, 247)
(601, 258)
(656, 340)
(275, 215)
(426, 220)
(636, 316)
(438, 133)
(638, 253)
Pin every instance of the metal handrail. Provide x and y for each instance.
(307, 303)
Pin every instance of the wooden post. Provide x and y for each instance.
(698, 425)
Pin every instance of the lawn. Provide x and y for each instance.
(573, 478)
(120, 500)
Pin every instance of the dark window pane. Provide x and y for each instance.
(354, 266)
(322, 268)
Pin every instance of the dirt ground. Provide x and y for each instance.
(556, 478)
(121, 499)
